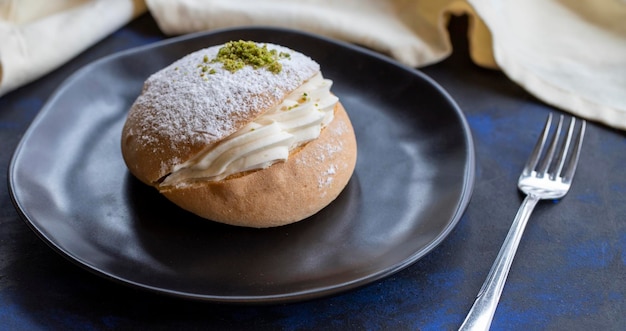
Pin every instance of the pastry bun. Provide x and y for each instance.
(192, 109)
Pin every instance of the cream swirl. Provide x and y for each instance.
(268, 139)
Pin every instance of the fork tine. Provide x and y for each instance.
(547, 159)
(533, 159)
(573, 161)
(560, 160)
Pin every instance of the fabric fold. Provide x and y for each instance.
(571, 54)
(36, 37)
(413, 32)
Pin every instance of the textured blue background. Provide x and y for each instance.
(570, 272)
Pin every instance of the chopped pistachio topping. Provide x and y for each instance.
(235, 55)
(205, 69)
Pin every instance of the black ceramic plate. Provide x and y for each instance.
(412, 182)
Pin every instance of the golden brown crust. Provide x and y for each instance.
(149, 162)
(284, 193)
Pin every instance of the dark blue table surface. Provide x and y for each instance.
(569, 274)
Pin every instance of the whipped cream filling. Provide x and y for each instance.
(268, 139)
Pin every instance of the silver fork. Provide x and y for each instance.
(542, 178)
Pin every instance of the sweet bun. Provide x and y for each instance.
(243, 133)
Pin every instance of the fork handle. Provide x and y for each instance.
(484, 307)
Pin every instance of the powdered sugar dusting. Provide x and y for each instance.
(185, 104)
(322, 154)
(327, 176)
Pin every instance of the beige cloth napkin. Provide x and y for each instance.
(568, 53)
(37, 36)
